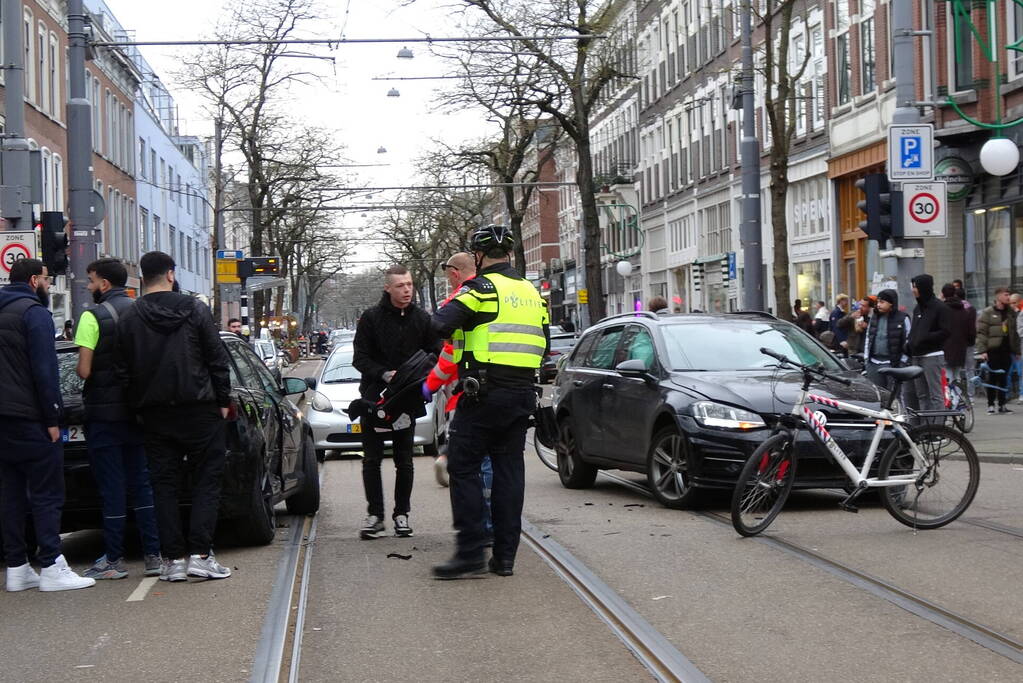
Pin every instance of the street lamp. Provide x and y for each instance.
(393, 92)
(624, 268)
(999, 156)
(381, 150)
(405, 53)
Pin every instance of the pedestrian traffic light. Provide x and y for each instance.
(53, 241)
(882, 206)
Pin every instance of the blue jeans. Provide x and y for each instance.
(118, 461)
(487, 474)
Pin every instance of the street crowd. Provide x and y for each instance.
(156, 395)
(945, 334)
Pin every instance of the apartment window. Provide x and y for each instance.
(152, 166)
(819, 69)
(47, 159)
(54, 91)
(842, 64)
(109, 123)
(97, 117)
(961, 58)
(129, 133)
(43, 71)
(188, 199)
(725, 225)
(172, 242)
(163, 180)
(1015, 32)
(142, 158)
(867, 45)
(181, 249)
(147, 238)
(58, 183)
(156, 232)
(30, 59)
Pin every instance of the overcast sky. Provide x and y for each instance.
(346, 100)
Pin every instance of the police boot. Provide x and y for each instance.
(458, 567)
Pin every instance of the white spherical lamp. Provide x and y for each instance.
(999, 156)
(624, 268)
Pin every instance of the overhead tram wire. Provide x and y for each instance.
(336, 41)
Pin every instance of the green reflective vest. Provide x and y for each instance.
(508, 325)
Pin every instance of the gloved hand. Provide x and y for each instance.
(427, 394)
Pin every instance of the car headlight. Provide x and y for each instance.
(721, 416)
(321, 403)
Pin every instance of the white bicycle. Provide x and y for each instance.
(928, 475)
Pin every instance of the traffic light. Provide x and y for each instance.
(259, 265)
(53, 241)
(882, 206)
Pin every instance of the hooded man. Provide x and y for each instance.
(963, 333)
(931, 327)
(885, 338)
(178, 382)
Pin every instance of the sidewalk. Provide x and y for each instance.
(998, 438)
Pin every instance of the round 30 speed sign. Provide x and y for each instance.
(924, 207)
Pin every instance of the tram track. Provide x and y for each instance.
(961, 625)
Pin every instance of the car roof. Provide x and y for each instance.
(649, 318)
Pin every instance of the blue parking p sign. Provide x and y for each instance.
(910, 152)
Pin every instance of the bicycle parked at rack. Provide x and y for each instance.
(927, 476)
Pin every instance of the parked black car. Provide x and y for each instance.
(270, 450)
(687, 398)
(561, 344)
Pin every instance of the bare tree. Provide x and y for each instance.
(569, 85)
(783, 71)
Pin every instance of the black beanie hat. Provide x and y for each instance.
(889, 295)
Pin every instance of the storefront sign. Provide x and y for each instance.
(957, 174)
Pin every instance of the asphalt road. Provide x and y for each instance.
(739, 609)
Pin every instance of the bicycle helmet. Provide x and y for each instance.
(492, 240)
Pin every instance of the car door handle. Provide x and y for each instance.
(608, 386)
(577, 382)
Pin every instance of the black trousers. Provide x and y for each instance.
(373, 455)
(494, 425)
(31, 483)
(171, 434)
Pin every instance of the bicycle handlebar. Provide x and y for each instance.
(805, 368)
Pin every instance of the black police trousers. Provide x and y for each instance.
(495, 425)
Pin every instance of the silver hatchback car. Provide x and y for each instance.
(335, 387)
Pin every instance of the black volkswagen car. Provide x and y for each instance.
(687, 398)
(270, 454)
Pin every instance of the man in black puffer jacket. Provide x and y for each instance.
(178, 381)
(930, 329)
(388, 335)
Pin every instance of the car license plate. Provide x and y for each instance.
(355, 429)
(73, 433)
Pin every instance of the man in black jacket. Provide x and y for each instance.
(930, 328)
(31, 455)
(389, 334)
(177, 371)
(885, 339)
(113, 436)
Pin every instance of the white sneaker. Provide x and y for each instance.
(21, 578)
(60, 577)
(440, 469)
(207, 567)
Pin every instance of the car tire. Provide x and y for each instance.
(669, 470)
(258, 526)
(307, 501)
(572, 471)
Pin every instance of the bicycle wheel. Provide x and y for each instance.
(962, 401)
(764, 485)
(945, 482)
(548, 456)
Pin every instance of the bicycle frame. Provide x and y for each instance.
(884, 418)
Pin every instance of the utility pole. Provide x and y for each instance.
(580, 279)
(15, 193)
(905, 113)
(749, 231)
(218, 215)
(86, 207)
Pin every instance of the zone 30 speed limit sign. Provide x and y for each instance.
(15, 246)
(925, 212)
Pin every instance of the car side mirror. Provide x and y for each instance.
(310, 382)
(635, 368)
(294, 386)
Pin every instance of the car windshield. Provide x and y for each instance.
(735, 345)
(264, 350)
(339, 368)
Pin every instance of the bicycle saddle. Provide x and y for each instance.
(902, 374)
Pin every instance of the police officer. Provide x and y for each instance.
(499, 329)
